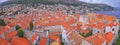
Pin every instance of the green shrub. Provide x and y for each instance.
(61, 43)
(61, 40)
(17, 27)
(118, 41)
(90, 33)
(31, 25)
(20, 33)
(82, 34)
(86, 35)
(2, 23)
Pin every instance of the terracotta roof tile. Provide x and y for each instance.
(55, 43)
(99, 16)
(90, 15)
(43, 41)
(19, 41)
(33, 38)
(11, 34)
(71, 21)
(5, 28)
(91, 21)
(1, 32)
(109, 37)
(53, 37)
(85, 31)
(8, 18)
(4, 42)
(110, 25)
(12, 24)
(100, 26)
(25, 41)
(65, 25)
(109, 18)
(94, 25)
(96, 39)
(77, 15)
(73, 36)
(54, 33)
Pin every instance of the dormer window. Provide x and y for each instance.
(113, 29)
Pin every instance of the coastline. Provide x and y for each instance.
(115, 12)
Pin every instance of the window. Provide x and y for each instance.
(113, 29)
(104, 30)
(97, 31)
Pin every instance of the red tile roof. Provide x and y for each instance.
(43, 41)
(90, 15)
(4, 42)
(65, 25)
(8, 18)
(34, 37)
(53, 37)
(12, 24)
(19, 41)
(110, 25)
(1, 32)
(5, 28)
(54, 33)
(71, 21)
(11, 34)
(109, 37)
(59, 18)
(85, 31)
(109, 18)
(96, 39)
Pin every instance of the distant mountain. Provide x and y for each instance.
(77, 2)
(66, 2)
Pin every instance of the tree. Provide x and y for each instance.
(17, 27)
(118, 41)
(82, 34)
(20, 33)
(61, 40)
(90, 33)
(2, 23)
(86, 35)
(31, 25)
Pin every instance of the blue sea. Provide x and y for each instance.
(116, 12)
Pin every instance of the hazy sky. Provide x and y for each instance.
(115, 3)
(2, 1)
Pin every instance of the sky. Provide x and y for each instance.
(2, 0)
(114, 3)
